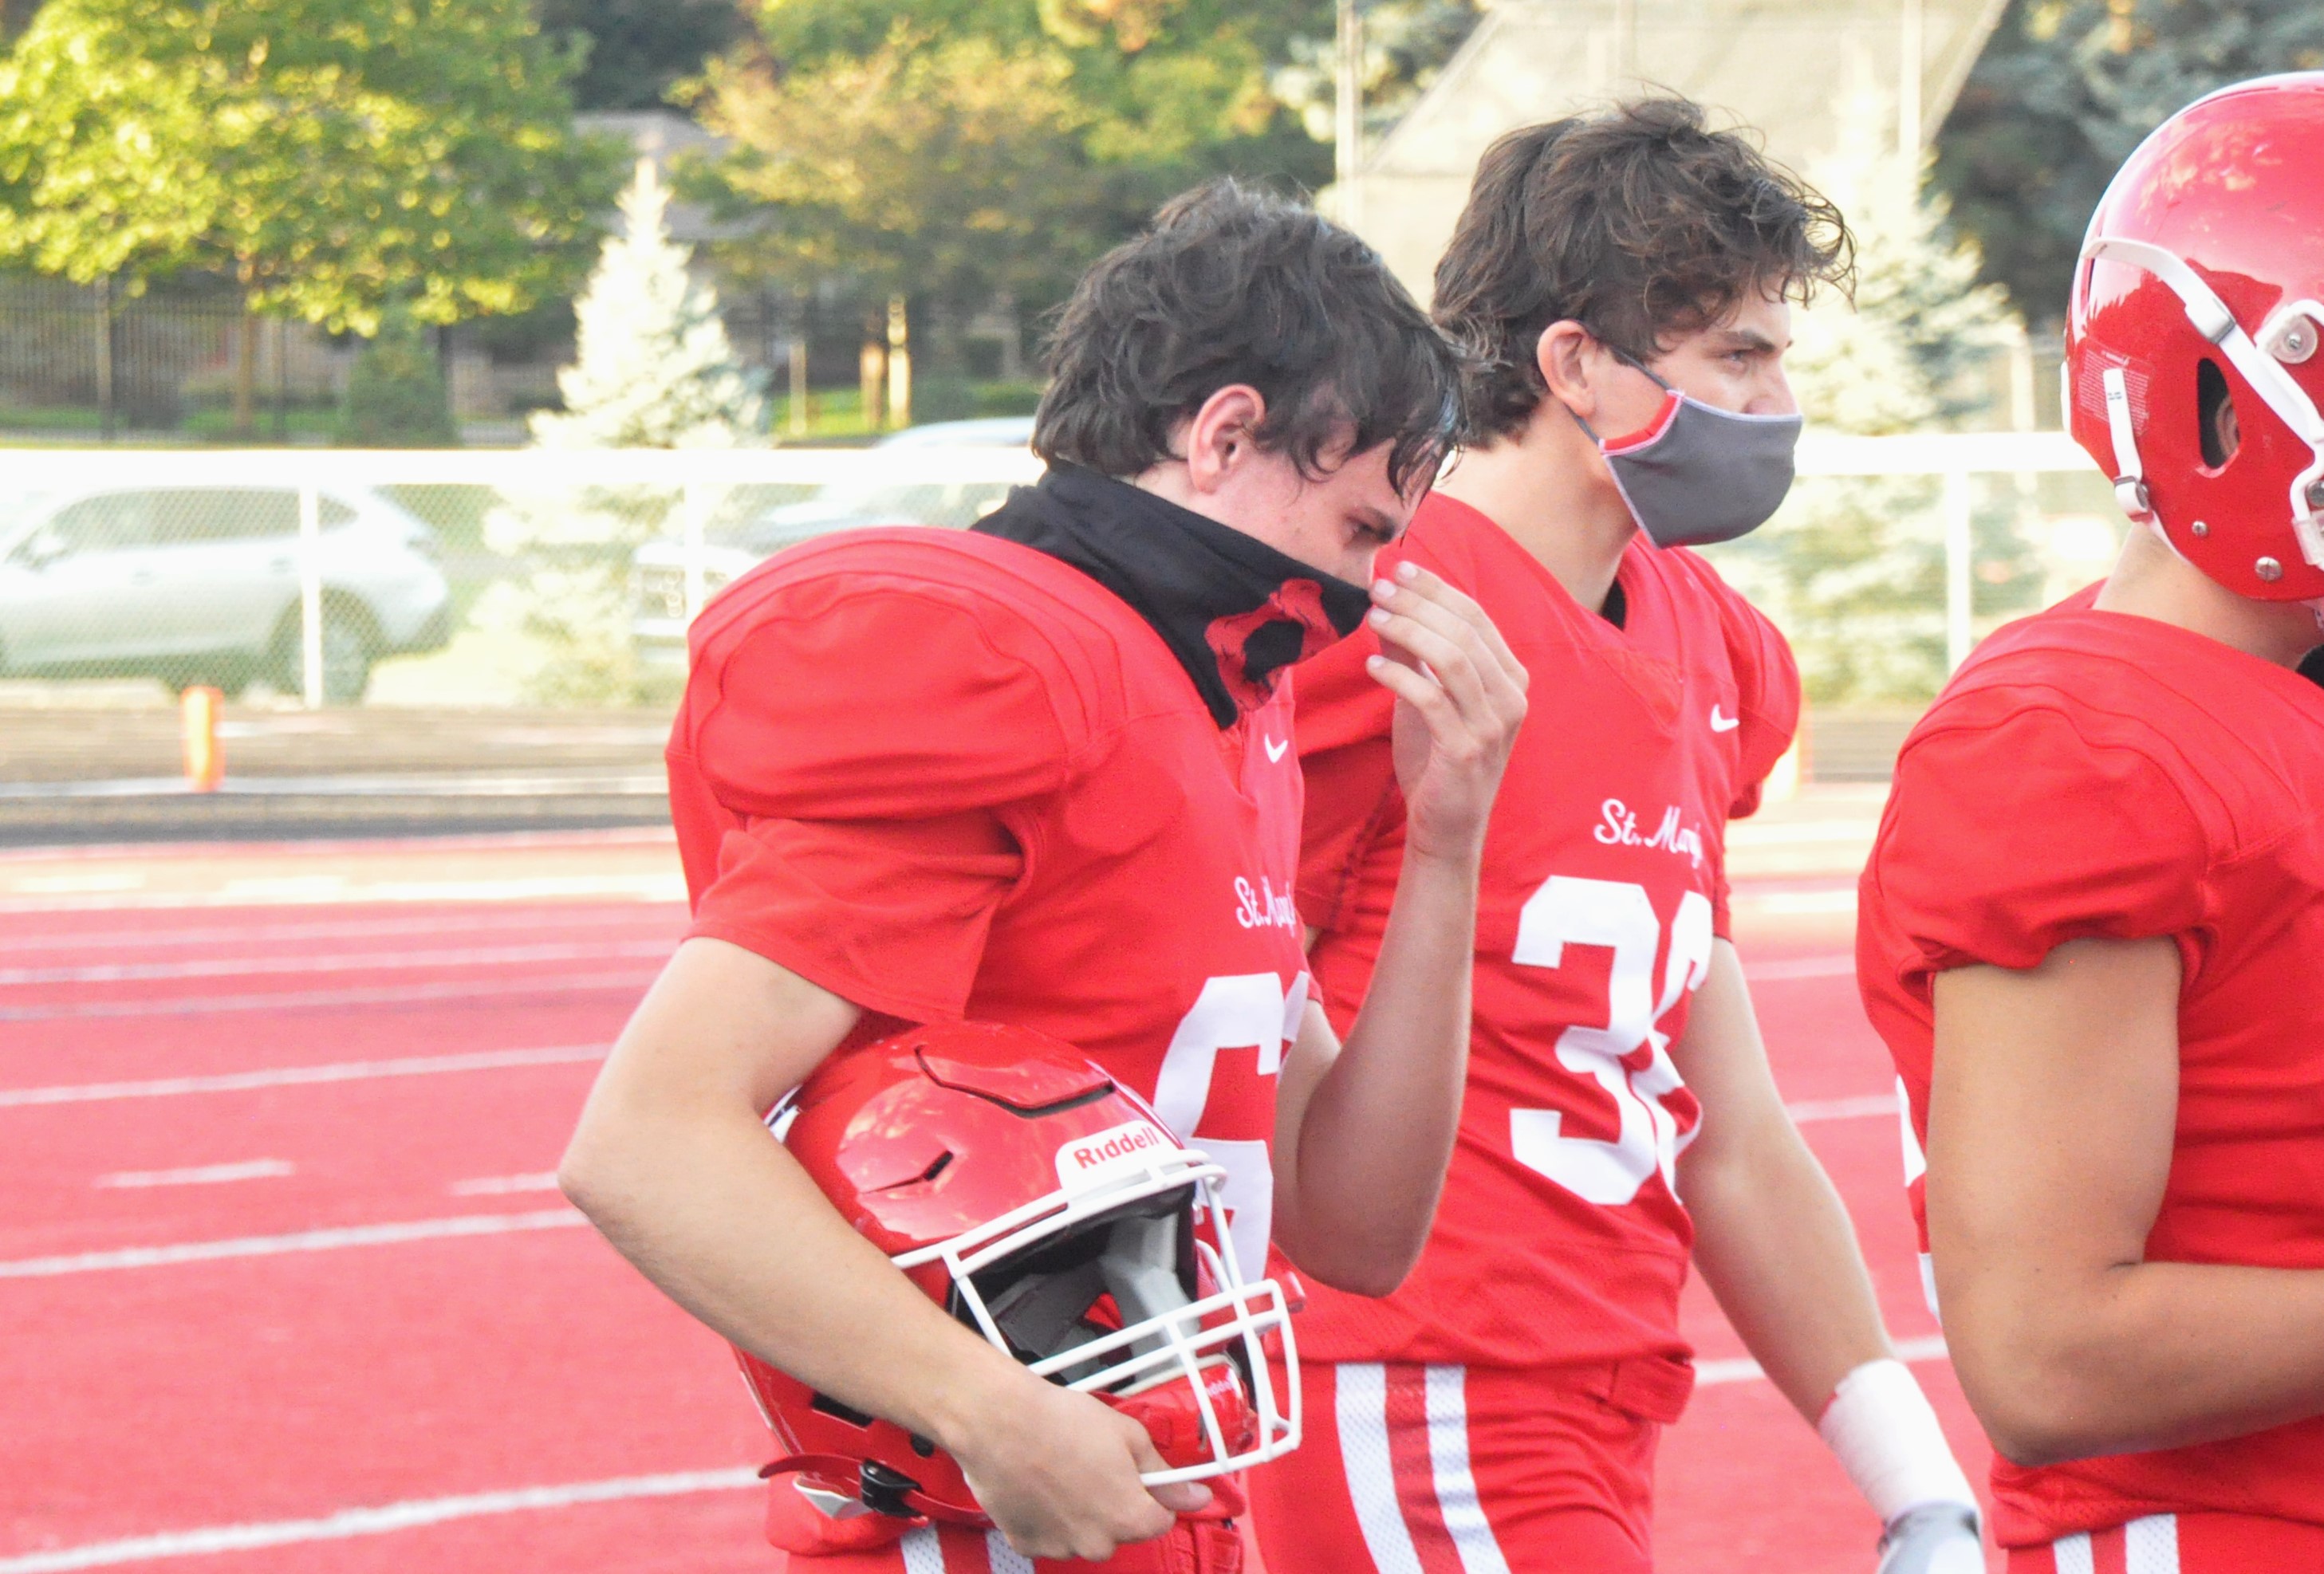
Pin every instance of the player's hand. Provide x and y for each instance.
(1058, 1471)
(1459, 697)
(1936, 1538)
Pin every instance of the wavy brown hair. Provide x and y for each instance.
(1233, 285)
(1641, 224)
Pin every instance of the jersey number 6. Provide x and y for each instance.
(1621, 916)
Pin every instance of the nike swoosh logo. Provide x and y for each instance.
(1275, 750)
(1720, 724)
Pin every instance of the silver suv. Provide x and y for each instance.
(201, 585)
(738, 542)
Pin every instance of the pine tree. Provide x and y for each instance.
(395, 396)
(654, 370)
(2064, 92)
(1853, 567)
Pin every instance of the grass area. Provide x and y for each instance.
(838, 413)
(36, 419)
(215, 423)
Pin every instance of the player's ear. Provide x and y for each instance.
(1223, 434)
(1571, 361)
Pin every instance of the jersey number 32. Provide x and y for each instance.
(1619, 916)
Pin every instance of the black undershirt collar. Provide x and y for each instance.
(1233, 610)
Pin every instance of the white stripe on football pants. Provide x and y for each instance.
(2151, 1545)
(1456, 1488)
(2073, 1555)
(1360, 1394)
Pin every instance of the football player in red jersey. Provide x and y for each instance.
(2091, 928)
(1623, 280)
(1041, 774)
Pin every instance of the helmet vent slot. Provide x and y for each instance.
(832, 1407)
(2216, 426)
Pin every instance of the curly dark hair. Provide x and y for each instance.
(1641, 224)
(1232, 285)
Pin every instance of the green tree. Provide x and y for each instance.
(1852, 568)
(638, 50)
(654, 370)
(957, 149)
(1406, 44)
(2064, 91)
(328, 156)
(395, 395)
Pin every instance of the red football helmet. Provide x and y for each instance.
(1048, 1208)
(2200, 281)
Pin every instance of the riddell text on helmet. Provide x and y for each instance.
(1087, 1161)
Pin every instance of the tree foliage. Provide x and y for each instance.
(1406, 43)
(638, 50)
(2063, 94)
(654, 370)
(329, 156)
(960, 149)
(653, 367)
(395, 396)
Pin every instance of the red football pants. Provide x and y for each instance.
(1195, 1546)
(1404, 1468)
(2181, 1543)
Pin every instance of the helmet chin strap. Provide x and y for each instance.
(2129, 475)
(2264, 372)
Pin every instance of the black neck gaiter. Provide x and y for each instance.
(1233, 610)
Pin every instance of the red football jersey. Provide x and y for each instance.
(2093, 774)
(1559, 1237)
(947, 775)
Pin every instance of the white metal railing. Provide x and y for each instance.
(698, 477)
(1955, 456)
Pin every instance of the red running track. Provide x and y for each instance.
(285, 1286)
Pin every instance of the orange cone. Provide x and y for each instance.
(204, 764)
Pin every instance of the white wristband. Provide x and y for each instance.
(1886, 1436)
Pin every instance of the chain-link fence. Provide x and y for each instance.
(511, 625)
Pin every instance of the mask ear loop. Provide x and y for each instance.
(1632, 362)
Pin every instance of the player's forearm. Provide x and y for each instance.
(1378, 1135)
(2063, 1364)
(708, 1206)
(1774, 1243)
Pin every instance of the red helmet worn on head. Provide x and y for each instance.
(2200, 283)
(1051, 1209)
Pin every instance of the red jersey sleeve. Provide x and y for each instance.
(1343, 720)
(2016, 825)
(1767, 690)
(873, 756)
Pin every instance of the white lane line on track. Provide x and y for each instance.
(418, 1512)
(1799, 967)
(200, 1175)
(314, 890)
(213, 967)
(1743, 1369)
(307, 1240)
(397, 995)
(372, 1522)
(352, 1071)
(627, 917)
(505, 1185)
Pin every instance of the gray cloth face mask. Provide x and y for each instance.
(1699, 474)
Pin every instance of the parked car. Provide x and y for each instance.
(732, 548)
(197, 585)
